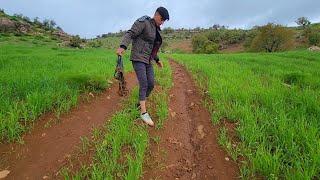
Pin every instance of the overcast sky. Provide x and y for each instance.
(90, 18)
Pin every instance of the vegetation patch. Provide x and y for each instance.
(120, 150)
(277, 121)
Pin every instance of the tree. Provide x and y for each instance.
(27, 19)
(216, 26)
(52, 24)
(18, 15)
(303, 21)
(272, 38)
(37, 21)
(46, 24)
(59, 28)
(49, 24)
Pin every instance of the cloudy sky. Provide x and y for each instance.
(90, 18)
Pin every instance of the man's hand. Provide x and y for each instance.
(160, 64)
(120, 51)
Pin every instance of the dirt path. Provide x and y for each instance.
(188, 147)
(45, 149)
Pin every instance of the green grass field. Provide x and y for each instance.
(37, 77)
(275, 100)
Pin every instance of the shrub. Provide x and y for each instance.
(95, 43)
(210, 47)
(75, 41)
(272, 38)
(249, 38)
(314, 38)
(201, 44)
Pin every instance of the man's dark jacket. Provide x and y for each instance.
(146, 40)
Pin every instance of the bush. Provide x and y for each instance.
(210, 47)
(95, 43)
(75, 41)
(314, 38)
(226, 36)
(272, 38)
(201, 44)
(198, 42)
(249, 38)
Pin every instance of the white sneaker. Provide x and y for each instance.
(147, 119)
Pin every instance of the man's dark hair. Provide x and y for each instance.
(163, 12)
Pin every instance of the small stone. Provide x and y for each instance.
(173, 114)
(194, 175)
(90, 94)
(43, 134)
(234, 145)
(45, 177)
(210, 167)
(4, 173)
(226, 158)
(108, 97)
(201, 131)
(314, 48)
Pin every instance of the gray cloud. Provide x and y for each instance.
(91, 18)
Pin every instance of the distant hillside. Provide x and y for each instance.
(228, 40)
(35, 31)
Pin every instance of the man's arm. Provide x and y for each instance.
(132, 33)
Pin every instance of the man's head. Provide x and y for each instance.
(160, 16)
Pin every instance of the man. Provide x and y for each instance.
(146, 41)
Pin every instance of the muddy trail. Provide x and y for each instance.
(49, 144)
(187, 146)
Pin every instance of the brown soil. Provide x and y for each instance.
(45, 150)
(183, 45)
(188, 146)
(234, 48)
